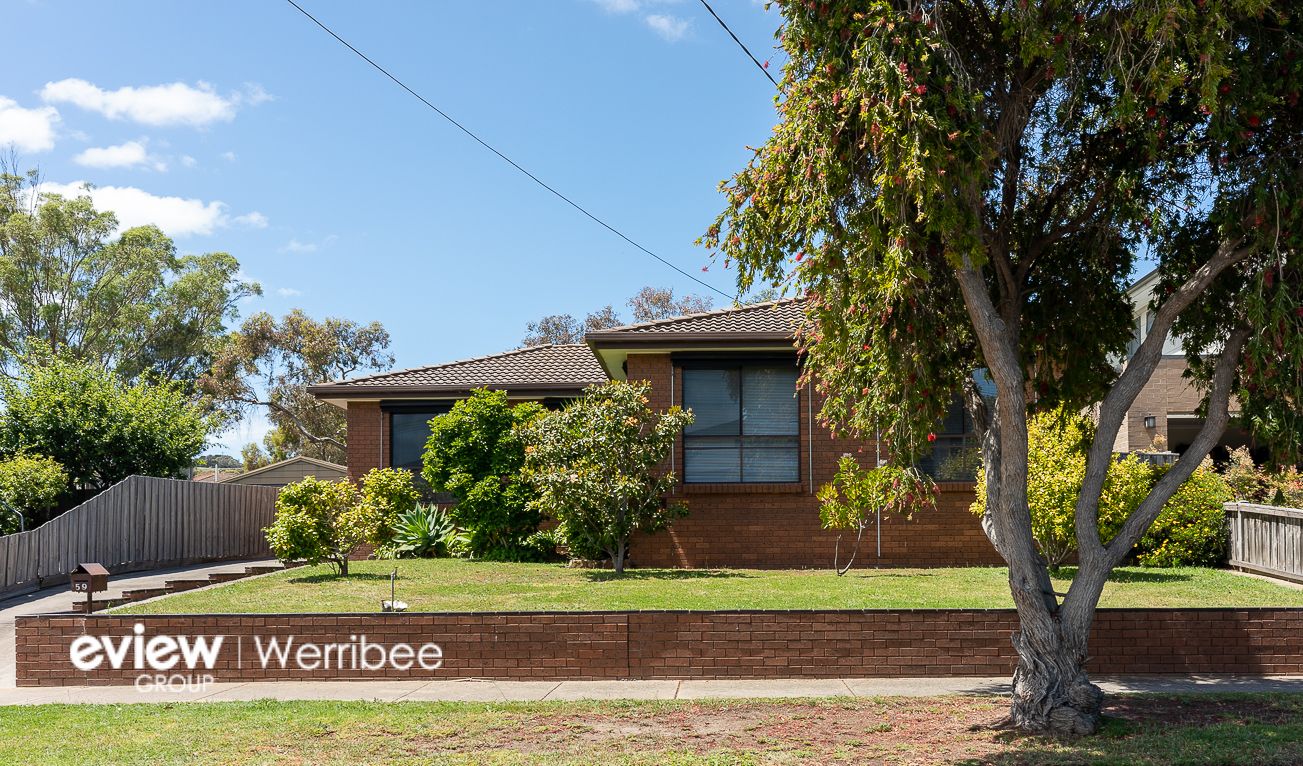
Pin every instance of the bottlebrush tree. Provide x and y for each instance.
(960, 185)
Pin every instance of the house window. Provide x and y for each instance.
(956, 452)
(409, 430)
(747, 425)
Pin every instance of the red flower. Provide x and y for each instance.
(920, 89)
(1254, 121)
(931, 437)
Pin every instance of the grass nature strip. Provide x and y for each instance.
(458, 585)
(1141, 729)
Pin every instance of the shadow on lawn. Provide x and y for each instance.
(605, 575)
(1130, 575)
(333, 577)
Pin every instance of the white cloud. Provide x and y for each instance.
(171, 104)
(252, 219)
(188, 161)
(228, 156)
(618, 6)
(176, 216)
(671, 28)
(27, 130)
(288, 292)
(297, 246)
(128, 155)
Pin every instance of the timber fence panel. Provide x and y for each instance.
(139, 523)
(1267, 539)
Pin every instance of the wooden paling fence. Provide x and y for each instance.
(1267, 539)
(141, 523)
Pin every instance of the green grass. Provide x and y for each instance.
(445, 585)
(1240, 729)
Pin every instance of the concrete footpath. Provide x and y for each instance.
(477, 690)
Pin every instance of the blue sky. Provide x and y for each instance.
(240, 126)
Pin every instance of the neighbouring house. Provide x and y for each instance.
(287, 472)
(1168, 405)
(748, 467)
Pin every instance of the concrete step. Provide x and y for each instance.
(217, 577)
(98, 605)
(177, 586)
(140, 594)
(262, 569)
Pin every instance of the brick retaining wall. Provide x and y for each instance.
(680, 645)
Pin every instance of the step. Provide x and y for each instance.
(140, 594)
(99, 605)
(217, 577)
(262, 569)
(176, 586)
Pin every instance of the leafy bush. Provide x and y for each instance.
(856, 494)
(31, 485)
(321, 521)
(425, 531)
(1191, 530)
(1252, 484)
(98, 428)
(475, 454)
(390, 494)
(1056, 468)
(544, 543)
(595, 464)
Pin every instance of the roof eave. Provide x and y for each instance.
(602, 339)
(345, 391)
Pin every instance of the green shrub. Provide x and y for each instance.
(544, 544)
(31, 485)
(321, 521)
(1191, 530)
(425, 531)
(390, 494)
(595, 466)
(475, 454)
(1056, 468)
(1252, 484)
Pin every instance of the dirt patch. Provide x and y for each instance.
(895, 731)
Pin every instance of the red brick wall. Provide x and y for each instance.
(778, 525)
(677, 645)
(368, 438)
(757, 525)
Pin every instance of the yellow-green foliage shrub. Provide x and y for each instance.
(321, 521)
(1056, 468)
(1191, 530)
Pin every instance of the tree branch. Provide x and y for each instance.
(298, 423)
(1123, 394)
(1213, 428)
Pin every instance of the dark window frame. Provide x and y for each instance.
(432, 409)
(739, 363)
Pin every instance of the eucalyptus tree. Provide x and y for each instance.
(965, 185)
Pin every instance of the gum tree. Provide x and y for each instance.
(969, 184)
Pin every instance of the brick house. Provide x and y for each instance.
(1168, 405)
(748, 468)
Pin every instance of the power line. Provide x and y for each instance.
(504, 157)
(740, 44)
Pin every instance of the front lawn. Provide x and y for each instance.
(1227, 730)
(459, 585)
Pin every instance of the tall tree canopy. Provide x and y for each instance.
(270, 363)
(967, 184)
(648, 304)
(126, 302)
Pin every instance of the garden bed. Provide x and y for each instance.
(458, 585)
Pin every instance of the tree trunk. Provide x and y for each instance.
(342, 563)
(1051, 692)
(617, 557)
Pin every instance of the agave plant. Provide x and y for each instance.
(426, 531)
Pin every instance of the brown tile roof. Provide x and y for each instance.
(562, 368)
(771, 320)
